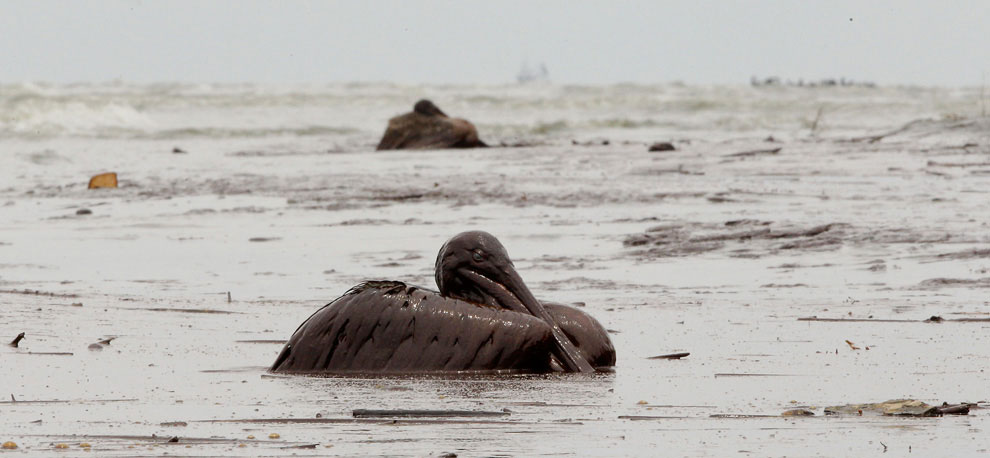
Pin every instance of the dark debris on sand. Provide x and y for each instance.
(754, 238)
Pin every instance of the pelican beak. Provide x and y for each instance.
(513, 294)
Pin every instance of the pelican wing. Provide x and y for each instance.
(395, 134)
(587, 334)
(394, 327)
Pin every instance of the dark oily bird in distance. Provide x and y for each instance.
(427, 127)
(484, 318)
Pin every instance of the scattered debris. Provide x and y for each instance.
(173, 439)
(178, 150)
(17, 340)
(933, 319)
(604, 142)
(662, 146)
(48, 353)
(84, 211)
(853, 320)
(165, 309)
(757, 152)
(901, 407)
(852, 345)
(754, 237)
(876, 138)
(648, 417)
(274, 436)
(967, 254)
(300, 446)
(35, 292)
(173, 423)
(103, 180)
(670, 356)
(9, 445)
(264, 239)
(521, 144)
(730, 374)
(955, 409)
(369, 413)
(798, 413)
(958, 164)
(934, 283)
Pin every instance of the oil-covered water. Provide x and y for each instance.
(723, 248)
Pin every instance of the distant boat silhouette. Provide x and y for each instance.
(529, 74)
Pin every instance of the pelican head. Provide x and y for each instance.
(474, 266)
(427, 107)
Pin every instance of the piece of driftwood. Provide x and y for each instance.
(106, 341)
(303, 446)
(377, 421)
(649, 417)
(17, 340)
(933, 319)
(36, 293)
(954, 409)
(752, 375)
(901, 408)
(670, 356)
(64, 401)
(876, 138)
(755, 152)
(373, 413)
(47, 353)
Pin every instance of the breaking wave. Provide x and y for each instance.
(181, 110)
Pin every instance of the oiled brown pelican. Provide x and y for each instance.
(483, 318)
(427, 127)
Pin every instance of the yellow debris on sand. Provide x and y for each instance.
(9, 445)
(103, 180)
(893, 407)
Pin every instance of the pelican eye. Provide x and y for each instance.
(477, 256)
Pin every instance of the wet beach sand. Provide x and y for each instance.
(799, 272)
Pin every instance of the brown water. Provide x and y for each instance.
(700, 250)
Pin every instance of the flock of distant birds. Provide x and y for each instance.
(825, 82)
(539, 73)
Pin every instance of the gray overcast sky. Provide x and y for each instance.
(467, 41)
